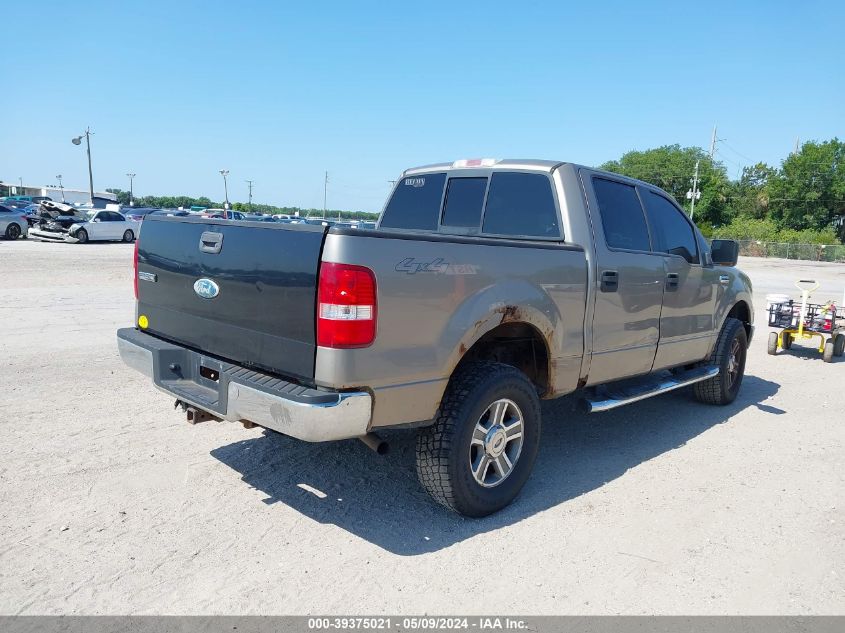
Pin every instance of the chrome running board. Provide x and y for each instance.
(610, 400)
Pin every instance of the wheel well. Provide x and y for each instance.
(517, 344)
(742, 312)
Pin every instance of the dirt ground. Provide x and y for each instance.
(111, 504)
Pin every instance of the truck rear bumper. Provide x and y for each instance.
(231, 392)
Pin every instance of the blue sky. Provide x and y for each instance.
(279, 92)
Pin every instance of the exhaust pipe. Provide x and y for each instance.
(376, 443)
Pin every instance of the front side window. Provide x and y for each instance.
(621, 215)
(521, 204)
(415, 203)
(464, 201)
(673, 233)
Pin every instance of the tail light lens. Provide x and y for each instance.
(346, 306)
(135, 268)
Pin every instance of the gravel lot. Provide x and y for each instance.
(110, 503)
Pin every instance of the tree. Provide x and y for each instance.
(671, 168)
(809, 190)
(750, 194)
(122, 196)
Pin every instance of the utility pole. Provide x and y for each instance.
(250, 195)
(713, 144)
(78, 141)
(325, 192)
(20, 180)
(693, 194)
(131, 178)
(224, 173)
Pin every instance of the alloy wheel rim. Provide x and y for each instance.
(496, 443)
(734, 361)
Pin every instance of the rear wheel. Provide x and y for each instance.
(128, 236)
(772, 347)
(13, 231)
(82, 236)
(839, 345)
(828, 351)
(729, 357)
(479, 452)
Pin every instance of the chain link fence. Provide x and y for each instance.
(786, 250)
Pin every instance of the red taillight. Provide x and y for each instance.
(346, 306)
(135, 268)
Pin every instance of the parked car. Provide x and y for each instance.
(13, 223)
(90, 225)
(136, 214)
(222, 214)
(486, 286)
(104, 225)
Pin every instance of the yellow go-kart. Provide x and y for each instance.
(807, 321)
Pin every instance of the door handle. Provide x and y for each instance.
(724, 280)
(211, 242)
(609, 281)
(672, 280)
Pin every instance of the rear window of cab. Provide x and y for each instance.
(514, 204)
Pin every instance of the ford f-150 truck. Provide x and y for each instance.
(486, 286)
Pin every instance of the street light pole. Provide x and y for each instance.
(224, 173)
(131, 178)
(61, 187)
(78, 141)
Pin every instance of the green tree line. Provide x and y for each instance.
(802, 200)
(186, 202)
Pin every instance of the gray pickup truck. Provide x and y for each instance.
(486, 286)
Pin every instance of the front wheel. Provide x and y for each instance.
(128, 236)
(82, 236)
(729, 356)
(13, 231)
(772, 345)
(479, 452)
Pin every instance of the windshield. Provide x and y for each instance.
(87, 216)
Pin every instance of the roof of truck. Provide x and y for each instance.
(489, 163)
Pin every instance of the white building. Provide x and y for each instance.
(57, 194)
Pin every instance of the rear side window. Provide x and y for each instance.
(464, 201)
(521, 204)
(672, 233)
(415, 203)
(621, 215)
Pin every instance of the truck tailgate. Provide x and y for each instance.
(258, 310)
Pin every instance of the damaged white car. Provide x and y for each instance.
(93, 225)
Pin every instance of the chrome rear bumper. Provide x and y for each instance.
(238, 393)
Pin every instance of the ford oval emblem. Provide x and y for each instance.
(206, 288)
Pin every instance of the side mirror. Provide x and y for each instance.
(96, 220)
(724, 252)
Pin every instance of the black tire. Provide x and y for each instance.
(445, 449)
(729, 356)
(828, 351)
(82, 236)
(128, 236)
(787, 340)
(772, 346)
(839, 345)
(13, 231)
